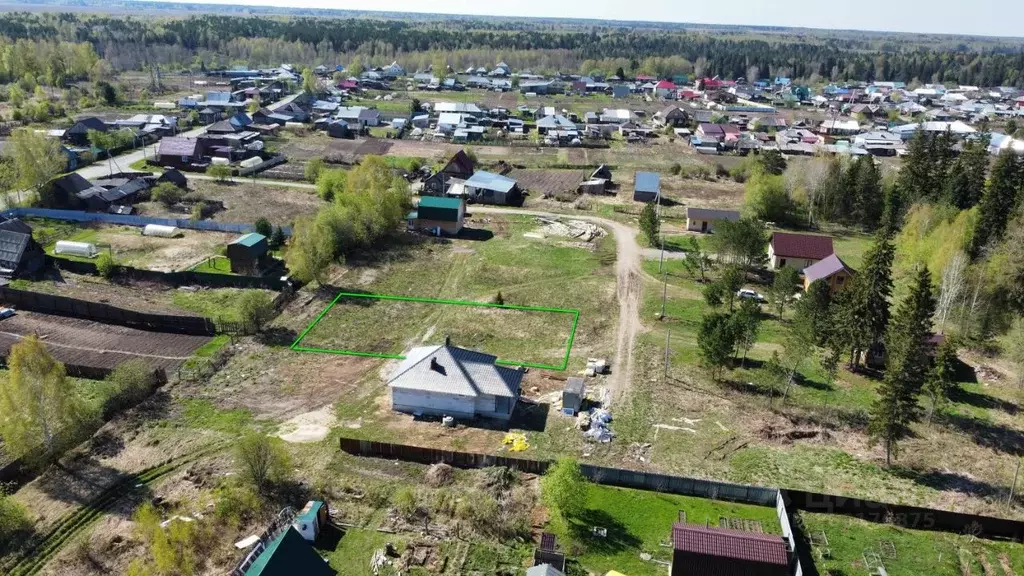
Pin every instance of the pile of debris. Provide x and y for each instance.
(596, 366)
(516, 442)
(594, 424)
(575, 229)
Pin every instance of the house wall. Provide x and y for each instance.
(836, 282)
(486, 407)
(447, 227)
(777, 261)
(694, 224)
(435, 403)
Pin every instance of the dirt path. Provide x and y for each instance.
(629, 284)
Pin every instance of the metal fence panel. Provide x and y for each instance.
(132, 220)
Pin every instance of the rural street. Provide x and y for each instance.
(121, 163)
(629, 285)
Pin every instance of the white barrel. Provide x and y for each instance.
(80, 249)
(160, 230)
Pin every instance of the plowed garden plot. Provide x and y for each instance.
(549, 182)
(88, 343)
(247, 202)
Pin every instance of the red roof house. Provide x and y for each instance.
(700, 551)
(789, 249)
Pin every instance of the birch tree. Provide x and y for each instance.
(954, 282)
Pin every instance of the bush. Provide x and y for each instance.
(405, 501)
(262, 460)
(220, 172)
(128, 384)
(106, 267)
(277, 239)
(564, 489)
(721, 171)
(254, 309)
(262, 226)
(237, 505)
(675, 169)
(379, 495)
(167, 194)
(14, 522)
(445, 502)
(313, 169)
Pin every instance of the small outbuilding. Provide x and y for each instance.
(248, 253)
(312, 519)
(572, 395)
(437, 215)
(647, 187)
(286, 555)
(20, 254)
(704, 219)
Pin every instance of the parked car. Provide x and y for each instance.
(6, 313)
(747, 294)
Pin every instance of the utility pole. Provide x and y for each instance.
(668, 340)
(1009, 501)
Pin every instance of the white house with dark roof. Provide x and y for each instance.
(446, 380)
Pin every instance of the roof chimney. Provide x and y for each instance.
(447, 340)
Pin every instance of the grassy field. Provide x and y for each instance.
(843, 546)
(527, 272)
(214, 265)
(217, 303)
(639, 521)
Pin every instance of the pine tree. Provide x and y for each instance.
(942, 377)
(649, 223)
(998, 203)
(862, 315)
(716, 340)
(868, 200)
(906, 367)
(892, 211)
(915, 178)
(815, 308)
(965, 182)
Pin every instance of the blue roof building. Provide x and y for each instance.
(647, 187)
(490, 188)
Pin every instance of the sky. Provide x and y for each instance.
(978, 17)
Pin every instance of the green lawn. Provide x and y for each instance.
(214, 265)
(216, 303)
(912, 552)
(640, 521)
(527, 272)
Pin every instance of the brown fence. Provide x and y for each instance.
(791, 500)
(597, 474)
(182, 278)
(105, 313)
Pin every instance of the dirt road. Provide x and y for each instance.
(629, 284)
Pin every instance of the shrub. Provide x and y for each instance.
(277, 239)
(14, 522)
(220, 172)
(445, 502)
(262, 460)
(167, 194)
(199, 210)
(675, 169)
(378, 495)
(440, 474)
(106, 266)
(127, 384)
(405, 501)
(313, 169)
(254, 308)
(262, 226)
(720, 170)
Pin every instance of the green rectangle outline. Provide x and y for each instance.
(565, 359)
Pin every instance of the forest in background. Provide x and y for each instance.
(215, 41)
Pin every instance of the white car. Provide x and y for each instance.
(6, 313)
(747, 294)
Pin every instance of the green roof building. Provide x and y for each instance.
(248, 254)
(288, 555)
(438, 215)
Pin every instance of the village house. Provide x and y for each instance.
(704, 219)
(249, 254)
(665, 89)
(698, 549)
(793, 250)
(459, 167)
(490, 188)
(180, 152)
(438, 215)
(446, 380)
(20, 255)
(672, 116)
(831, 270)
(78, 133)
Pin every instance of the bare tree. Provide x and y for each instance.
(954, 282)
(753, 74)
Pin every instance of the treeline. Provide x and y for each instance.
(127, 42)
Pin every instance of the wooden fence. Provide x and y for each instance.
(180, 278)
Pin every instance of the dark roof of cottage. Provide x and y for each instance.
(809, 246)
(722, 543)
(12, 248)
(72, 183)
(825, 268)
(176, 146)
(460, 163)
(711, 214)
(289, 554)
(222, 127)
(85, 124)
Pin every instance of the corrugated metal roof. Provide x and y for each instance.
(647, 182)
(825, 268)
(12, 246)
(711, 214)
(747, 546)
(175, 146)
(490, 181)
(810, 246)
(440, 202)
(453, 370)
(544, 570)
(251, 239)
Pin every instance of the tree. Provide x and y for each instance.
(868, 201)
(743, 242)
(254, 309)
(313, 169)
(262, 460)
(167, 194)
(714, 294)
(798, 346)
(732, 280)
(499, 299)
(563, 489)
(220, 172)
(620, 73)
(106, 267)
(941, 380)
(862, 315)
(104, 141)
(14, 522)
(355, 67)
(309, 82)
(746, 325)
(772, 162)
(277, 239)
(649, 224)
(965, 183)
(263, 227)
(916, 177)
(331, 184)
(784, 286)
(716, 339)
(697, 260)
(815, 308)
(765, 197)
(40, 412)
(952, 286)
(906, 367)
(998, 202)
(415, 106)
(312, 249)
(35, 158)
(439, 68)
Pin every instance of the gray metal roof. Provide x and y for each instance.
(491, 181)
(15, 236)
(452, 370)
(711, 214)
(647, 182)
(544, 570)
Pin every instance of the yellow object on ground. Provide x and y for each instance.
(515, 442)
(614, 573)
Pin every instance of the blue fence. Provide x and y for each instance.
(127, 220)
